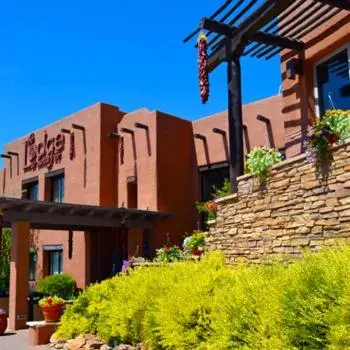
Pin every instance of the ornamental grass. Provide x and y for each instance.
(207, 305)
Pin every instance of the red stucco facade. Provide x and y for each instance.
(159, 165)
(154, 168)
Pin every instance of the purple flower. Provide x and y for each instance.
(126, 265)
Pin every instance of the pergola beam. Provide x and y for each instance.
(246, 30)
(342, 4)
(260, 37)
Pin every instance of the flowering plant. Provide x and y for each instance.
(168, 254)
(260, 161)
(51, 302)
(127, 264)
(209, 208)
(196, 240)
(333, 127)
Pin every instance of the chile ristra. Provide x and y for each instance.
(203, 67)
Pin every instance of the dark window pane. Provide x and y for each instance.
(55, 262)
(32, 191)
(32, 265)
(211, 178)
(332, 82)
(57, 189)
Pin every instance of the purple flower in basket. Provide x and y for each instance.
(126, 265)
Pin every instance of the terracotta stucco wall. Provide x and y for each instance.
(216, 148)
(140, 154)
(83, 178)
(176, 177)
(298, 94)
(109, 160)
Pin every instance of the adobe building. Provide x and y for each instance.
(114, 167)
(145, 160)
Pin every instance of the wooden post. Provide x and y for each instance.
(235, 123)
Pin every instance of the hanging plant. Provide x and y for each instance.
(72, 146)
(332, 128)
(203, 67)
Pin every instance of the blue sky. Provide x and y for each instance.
(60, 56)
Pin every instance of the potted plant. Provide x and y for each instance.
(168, 254)
(195, 243)
(51, 308)
(3, 321)
(332, 128)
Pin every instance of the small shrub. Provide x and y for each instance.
(207, 305)
(260, 161)
(168, 254)
(61, 285)
(223, 191)
(196, 240)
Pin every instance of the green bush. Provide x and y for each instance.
(207, 305)
(61, 285)
(5, 258)
(261, 159)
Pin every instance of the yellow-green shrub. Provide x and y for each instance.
(206, 305)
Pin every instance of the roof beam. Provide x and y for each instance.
(342, 4)
(261, 37)
(246, 30)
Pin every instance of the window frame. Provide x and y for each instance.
(50, 252)
(319, 62)
(52, 177)
(30, 183)
(32, 264)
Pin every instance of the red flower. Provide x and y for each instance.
(203, 67)
(211, 206)
(167, 249)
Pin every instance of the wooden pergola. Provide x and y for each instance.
(64, 216)
(22, 215)
(259, 29)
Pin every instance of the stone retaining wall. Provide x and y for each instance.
(298, 208)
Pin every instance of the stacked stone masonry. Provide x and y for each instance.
(300, 206)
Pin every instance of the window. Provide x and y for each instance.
(31, 190)
(55, 261)
(132, 192)
(211, 178)
(333, 82)
(32, 264)
(57, 188)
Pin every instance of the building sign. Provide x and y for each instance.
(44, 154)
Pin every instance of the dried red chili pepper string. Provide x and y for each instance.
(72, 146)
(203, 67)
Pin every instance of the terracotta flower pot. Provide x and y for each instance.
(3, 321)
(196, 251)
(52, 313)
